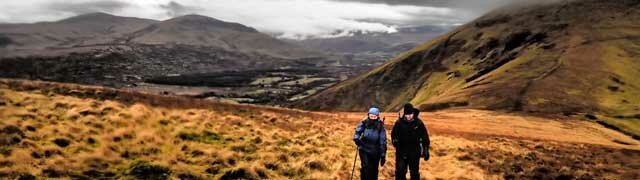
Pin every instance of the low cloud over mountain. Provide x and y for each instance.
(296, 19)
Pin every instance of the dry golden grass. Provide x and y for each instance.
(67, 131)
(108, 137)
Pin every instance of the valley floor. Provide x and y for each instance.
(70, 131)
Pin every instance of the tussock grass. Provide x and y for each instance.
(48, 132)
(66, 131)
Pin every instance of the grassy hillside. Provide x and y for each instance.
(52, 130)
(95, 132)
(542, 58)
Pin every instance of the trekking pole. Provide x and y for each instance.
(354, 163)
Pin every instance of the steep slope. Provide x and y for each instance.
(545, 57)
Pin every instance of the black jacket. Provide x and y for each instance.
(408, 137)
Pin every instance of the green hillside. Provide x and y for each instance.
(542, 58)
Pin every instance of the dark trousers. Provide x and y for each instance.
(369, 166)
(404, 161)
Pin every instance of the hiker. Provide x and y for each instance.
(371, 139)
(410, 138)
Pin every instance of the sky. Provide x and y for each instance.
(297, 19)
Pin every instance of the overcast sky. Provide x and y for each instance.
(286, 18)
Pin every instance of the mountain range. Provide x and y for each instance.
(205, 53)
(97, 30)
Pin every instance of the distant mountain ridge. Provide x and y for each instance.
(44, 37)
(95, 30)
(374, 42)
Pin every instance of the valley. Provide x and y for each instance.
(212, 58)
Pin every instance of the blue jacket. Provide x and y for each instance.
(373, 136)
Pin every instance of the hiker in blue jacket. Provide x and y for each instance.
(371, 139)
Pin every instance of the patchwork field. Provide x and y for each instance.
(52, 130)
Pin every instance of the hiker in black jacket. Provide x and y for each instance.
(411, 140)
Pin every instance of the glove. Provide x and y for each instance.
(382, 161)
(358, 142)
(425, 154)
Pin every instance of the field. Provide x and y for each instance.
(272, 87)
(69, 131)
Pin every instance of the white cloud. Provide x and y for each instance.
(287, 18)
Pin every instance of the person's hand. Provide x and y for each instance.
(358, 142)
(425, 155)
(382, 161)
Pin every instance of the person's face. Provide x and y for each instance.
(373, 117)
(408, 116)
